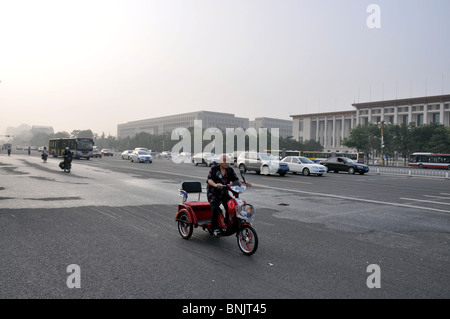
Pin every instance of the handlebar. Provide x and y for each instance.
(239, 189)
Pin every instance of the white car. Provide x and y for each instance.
(209, 159)
(299, 164)
(126, 154)
(261, 163)
(141, 157)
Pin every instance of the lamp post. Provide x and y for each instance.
(382, 125)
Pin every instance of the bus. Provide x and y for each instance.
(317, 156)
(429, 160)
(81, 147)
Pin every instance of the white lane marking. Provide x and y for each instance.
(424, 201)
(432, 196)
(360, 199)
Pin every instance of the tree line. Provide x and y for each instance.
(399, 140)
(162, 142)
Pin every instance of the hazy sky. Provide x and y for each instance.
(95, 64)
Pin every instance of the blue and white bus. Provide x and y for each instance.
(81, 147)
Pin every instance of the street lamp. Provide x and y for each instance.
(382, 125)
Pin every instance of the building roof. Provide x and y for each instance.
(409, 101)
(338, 113)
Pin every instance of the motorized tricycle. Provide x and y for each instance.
(198, 214)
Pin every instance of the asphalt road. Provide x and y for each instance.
(317, 235)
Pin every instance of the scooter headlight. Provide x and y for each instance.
(247, 212)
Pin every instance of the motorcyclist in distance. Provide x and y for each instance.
(67, 155)
(44, 154)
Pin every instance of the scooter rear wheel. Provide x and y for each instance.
(185, 227)
(247, 240)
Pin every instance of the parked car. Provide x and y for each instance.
(126, 154)
(337, 164)
(141, 157)
(166, 155)
(263, 163)
(106, 152)
(209, 159)
(96, 153)
(300, 164)
(183, 157)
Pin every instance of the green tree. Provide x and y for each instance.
(440, 140)
(364, 138)
(62, 134)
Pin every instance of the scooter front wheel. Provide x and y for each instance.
(185, 227)
(247, 240)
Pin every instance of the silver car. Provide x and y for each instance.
(126, 154)
(261, 163)
(141, 157)
(209, 159)
(299, 164)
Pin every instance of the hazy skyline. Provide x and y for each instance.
(95, 64)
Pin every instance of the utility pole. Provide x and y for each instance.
(382, 125)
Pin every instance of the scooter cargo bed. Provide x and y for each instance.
(202, 209)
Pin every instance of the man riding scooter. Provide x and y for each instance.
(216, 192)
(67, 155)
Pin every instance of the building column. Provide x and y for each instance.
(358, 117)
(382, 113)
(441, 113)
(334, 131)
(295, 129)
(395, 115)
(342, 130)
(317, 130)
(409, 114)
(425, 113)
(369, 119)
(325, 134)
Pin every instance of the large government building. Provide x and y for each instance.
(284, 126)
(167, 124)
(331, 128)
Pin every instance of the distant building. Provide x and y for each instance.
(420, 110)
(284, 126)
(167, 124)
(329, 129)
(42, 129)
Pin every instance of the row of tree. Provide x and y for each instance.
(164, 142)
(399, 140)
